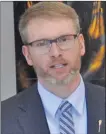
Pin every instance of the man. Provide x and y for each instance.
(61, 102)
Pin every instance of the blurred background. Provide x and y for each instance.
(92, 20)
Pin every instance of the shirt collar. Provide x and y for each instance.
(77, 98)
(52, 102)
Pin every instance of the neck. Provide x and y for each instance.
(62, 91)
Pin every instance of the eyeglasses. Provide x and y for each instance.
(63, 42)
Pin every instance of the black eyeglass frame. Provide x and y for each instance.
(51, 41)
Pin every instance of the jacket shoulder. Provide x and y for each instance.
(11, 109)
(10, 105)
(95, 94)
(95, 88)
(13, 102)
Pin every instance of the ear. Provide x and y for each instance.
(27, 55)
(82, 44)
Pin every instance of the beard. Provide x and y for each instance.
(52, 80)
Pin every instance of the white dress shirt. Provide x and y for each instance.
(51, 104)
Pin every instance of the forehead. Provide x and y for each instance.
(48, 29)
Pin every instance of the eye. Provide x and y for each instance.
(63, 39)
(40, 44)
(66, 38)
(69, 37)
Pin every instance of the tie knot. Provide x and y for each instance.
(65, 106)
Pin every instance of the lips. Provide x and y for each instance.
(59, 65)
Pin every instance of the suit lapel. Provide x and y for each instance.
(32, 118)
(92, 111)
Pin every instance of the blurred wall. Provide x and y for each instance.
(8, 69)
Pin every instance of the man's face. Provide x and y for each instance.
(56, 66)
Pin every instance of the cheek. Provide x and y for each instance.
(41, 61)
(73, 57)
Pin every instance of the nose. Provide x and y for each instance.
(55, 50)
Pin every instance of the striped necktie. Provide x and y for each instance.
(65, 120)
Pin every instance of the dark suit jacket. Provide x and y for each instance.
(24, 113)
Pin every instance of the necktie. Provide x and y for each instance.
(65, 120)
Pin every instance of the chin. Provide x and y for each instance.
(59, 81)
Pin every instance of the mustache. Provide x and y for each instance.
(57, 61)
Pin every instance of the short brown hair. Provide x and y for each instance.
(47, 10)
